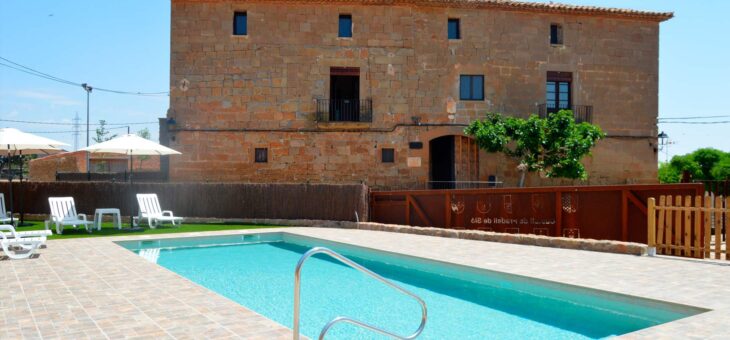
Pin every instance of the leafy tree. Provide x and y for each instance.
(102, 133)
(554, 145)
(701, 164)
(682, 163)
(669, 174)
(721, 170)
(144, 133)
(706, 159)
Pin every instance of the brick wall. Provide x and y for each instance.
(44, 169)
(231, 94)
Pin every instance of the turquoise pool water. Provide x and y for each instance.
(257, 271)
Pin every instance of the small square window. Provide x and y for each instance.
(388, 155)
(556, 34)
(240, 23)
(454, 29)
(261, 155)
(345, 29)
(471, 87)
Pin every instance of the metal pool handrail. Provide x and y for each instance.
(335, 255)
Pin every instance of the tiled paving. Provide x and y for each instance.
(92, 288)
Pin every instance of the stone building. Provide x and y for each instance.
(46, 168)
(380, 91)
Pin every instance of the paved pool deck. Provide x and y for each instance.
(92, 288)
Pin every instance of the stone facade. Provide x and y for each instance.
(231, 94)
(44, 169)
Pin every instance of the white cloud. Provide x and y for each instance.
(53, 99)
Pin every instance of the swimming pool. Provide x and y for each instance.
(257, 271)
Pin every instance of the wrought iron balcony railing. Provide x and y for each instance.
(582, 113)
(344, 110)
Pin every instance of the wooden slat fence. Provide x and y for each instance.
(689, 226)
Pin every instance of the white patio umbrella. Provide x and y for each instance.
(131, 145)
(14, 142)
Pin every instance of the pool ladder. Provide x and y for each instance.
(335, 255)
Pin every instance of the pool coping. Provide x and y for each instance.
(622, 274)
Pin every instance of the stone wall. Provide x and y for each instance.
(606, 246)
(44, 169)
(231, 94)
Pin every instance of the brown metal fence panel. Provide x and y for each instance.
(217, 200)
(597, 212)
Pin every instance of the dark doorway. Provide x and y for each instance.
(344, 94)
(442, 162)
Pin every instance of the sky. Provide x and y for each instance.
(119, 45)
(124, 45)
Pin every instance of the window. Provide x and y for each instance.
(388, 155)
(261, 155)
(471, 87)
(556, 34)
(454, 29)
(557, 91)
(240, 23)
(345, 30)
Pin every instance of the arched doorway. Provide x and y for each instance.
(441, 155)
(454, 162)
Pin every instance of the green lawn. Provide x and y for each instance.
(107, 229)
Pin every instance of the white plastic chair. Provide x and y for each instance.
(149, 209)
(18, 248)
(5, 216)
(63, 213)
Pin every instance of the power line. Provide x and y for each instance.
(54, 123)
(705, 123)
(73, 131)
(697, 117)
(34, 72)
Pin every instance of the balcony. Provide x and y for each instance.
(344, 110)
(581, 113)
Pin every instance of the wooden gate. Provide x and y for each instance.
(689, 226)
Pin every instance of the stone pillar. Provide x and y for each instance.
(164, 140)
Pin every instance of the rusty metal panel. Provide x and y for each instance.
(597, 212)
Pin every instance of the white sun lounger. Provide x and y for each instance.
(63, 213)
(5, 216)
(20, 247)
(149, 209)
(12, 233)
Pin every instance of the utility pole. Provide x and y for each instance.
(76, 131)
(88, 89)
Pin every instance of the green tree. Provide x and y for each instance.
(102, 133)
(682, 163)
(668, 174)
(701, 164)
(706, 159)
(721, 170)
(144, 133)
(554, 145)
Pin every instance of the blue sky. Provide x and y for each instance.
(110, 44)
(124, 45)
